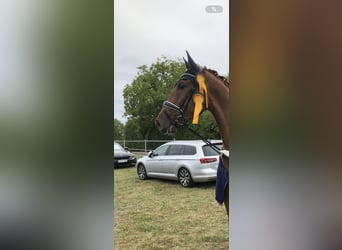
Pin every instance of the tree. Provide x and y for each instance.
(118, 130)
(132, 129)
(207, 126)
(143, 99)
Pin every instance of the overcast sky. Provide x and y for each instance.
(145, 30)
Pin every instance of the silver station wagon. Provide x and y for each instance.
(185, 161)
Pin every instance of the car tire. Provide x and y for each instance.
(184, 178)
(141, 171)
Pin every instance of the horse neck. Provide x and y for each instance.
(218, 98)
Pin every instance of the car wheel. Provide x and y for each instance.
(184, 178)
(141, 172)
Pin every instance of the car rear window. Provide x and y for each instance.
(189, 150)
(208, 151)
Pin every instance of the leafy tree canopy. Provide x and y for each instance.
(119, 130)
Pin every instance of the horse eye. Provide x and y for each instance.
(181, 85)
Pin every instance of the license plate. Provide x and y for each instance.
(122, 161)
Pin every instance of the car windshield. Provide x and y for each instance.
(208, 151)
(117, 147)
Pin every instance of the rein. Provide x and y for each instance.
(222, 152)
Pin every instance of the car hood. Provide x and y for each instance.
(122, 154)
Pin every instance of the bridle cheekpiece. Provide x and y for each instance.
(199, 98)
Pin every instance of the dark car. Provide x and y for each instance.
(122, 157)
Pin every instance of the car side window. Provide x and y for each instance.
(161, 150)
(175, 150)
(189, 150)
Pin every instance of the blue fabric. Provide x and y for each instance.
(221, 182)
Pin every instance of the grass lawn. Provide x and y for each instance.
(160, 214)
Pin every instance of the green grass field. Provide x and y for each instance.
(160, 214)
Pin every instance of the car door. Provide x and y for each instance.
(156, 161)
(171, 161)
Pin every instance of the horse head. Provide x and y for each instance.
(186, 101)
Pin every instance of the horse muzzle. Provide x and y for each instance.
(165, 129)
(165, 124)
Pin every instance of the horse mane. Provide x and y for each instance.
(222, 78)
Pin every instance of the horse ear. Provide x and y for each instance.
(190, 60)
(191, 65)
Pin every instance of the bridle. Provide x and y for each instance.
(180, 120)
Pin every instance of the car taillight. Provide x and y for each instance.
(207, 160)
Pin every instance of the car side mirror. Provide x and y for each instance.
(151, 154)
(126, 148)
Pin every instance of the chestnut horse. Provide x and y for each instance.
(197, 90)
